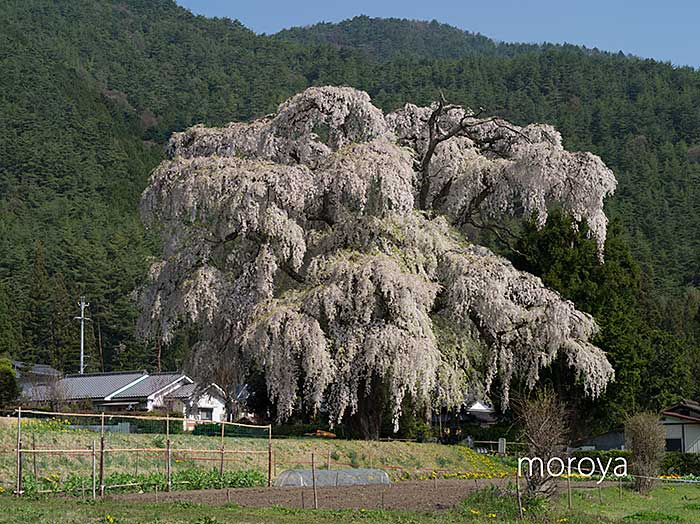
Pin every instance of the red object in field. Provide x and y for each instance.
(320, 433)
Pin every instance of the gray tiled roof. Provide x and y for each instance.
(35, 392)
(38, 370)
(155, 382)
(185, 391)
(96, 385)
(188, 390)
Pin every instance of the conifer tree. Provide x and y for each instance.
(37, 333)
(10, 331)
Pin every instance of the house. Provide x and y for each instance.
(613, 439)
(133, 391)
(481, 412)
(682, 424)
(25, 371)
(473, 412)
(34, 376)
(207, 405)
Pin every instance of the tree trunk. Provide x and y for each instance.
(371, 407)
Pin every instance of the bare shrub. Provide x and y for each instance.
(646, 437)
(542, 418)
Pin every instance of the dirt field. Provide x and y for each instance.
(422, 495)
(408, 495)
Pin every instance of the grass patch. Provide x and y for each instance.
(57, 511)
(489, 506)
(653, 516)
(667, 503)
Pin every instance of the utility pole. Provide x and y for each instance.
(82, 319)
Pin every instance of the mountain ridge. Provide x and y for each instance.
(387, 38)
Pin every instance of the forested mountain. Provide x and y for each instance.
(387, 38)
(91, 89)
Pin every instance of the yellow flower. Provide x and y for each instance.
(492, 515)
(473, 511)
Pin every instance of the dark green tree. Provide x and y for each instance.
(614, 293)
(10, 329)
(9, 388)
(37, 325)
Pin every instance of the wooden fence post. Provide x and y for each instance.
(223, 451)
(102, 455)
(269, 456)
(313, 479)
(94, 470)
(329, 459)
(517, 490)
(568, 491)
(168, 473)
(19, 452)
(36, 474)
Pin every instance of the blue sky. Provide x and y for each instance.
(665, 30)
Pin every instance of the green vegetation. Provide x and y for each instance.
(666, 504)
(49, 511)
(91, 90)
(9, 389)
(385, 39)
(77, 485)
(401, 460)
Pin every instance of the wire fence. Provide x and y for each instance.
(114, 451)
(95, 454)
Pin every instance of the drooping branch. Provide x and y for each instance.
(296, 244)
(463, 128)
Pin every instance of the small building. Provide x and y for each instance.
(207, 404)
(682, 424)
(133, 391)
(33, 377)
(481, 412)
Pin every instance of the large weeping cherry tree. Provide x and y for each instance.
(332, 248)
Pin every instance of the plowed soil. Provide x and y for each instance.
(408, 495)
(426, 495)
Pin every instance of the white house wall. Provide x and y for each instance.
(211, 402)
(692, 438)
(687, 431)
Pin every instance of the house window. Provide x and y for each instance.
(674, 444)
(206, 414)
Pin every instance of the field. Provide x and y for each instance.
(461, 485)
(401, 460)
(665, 505)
